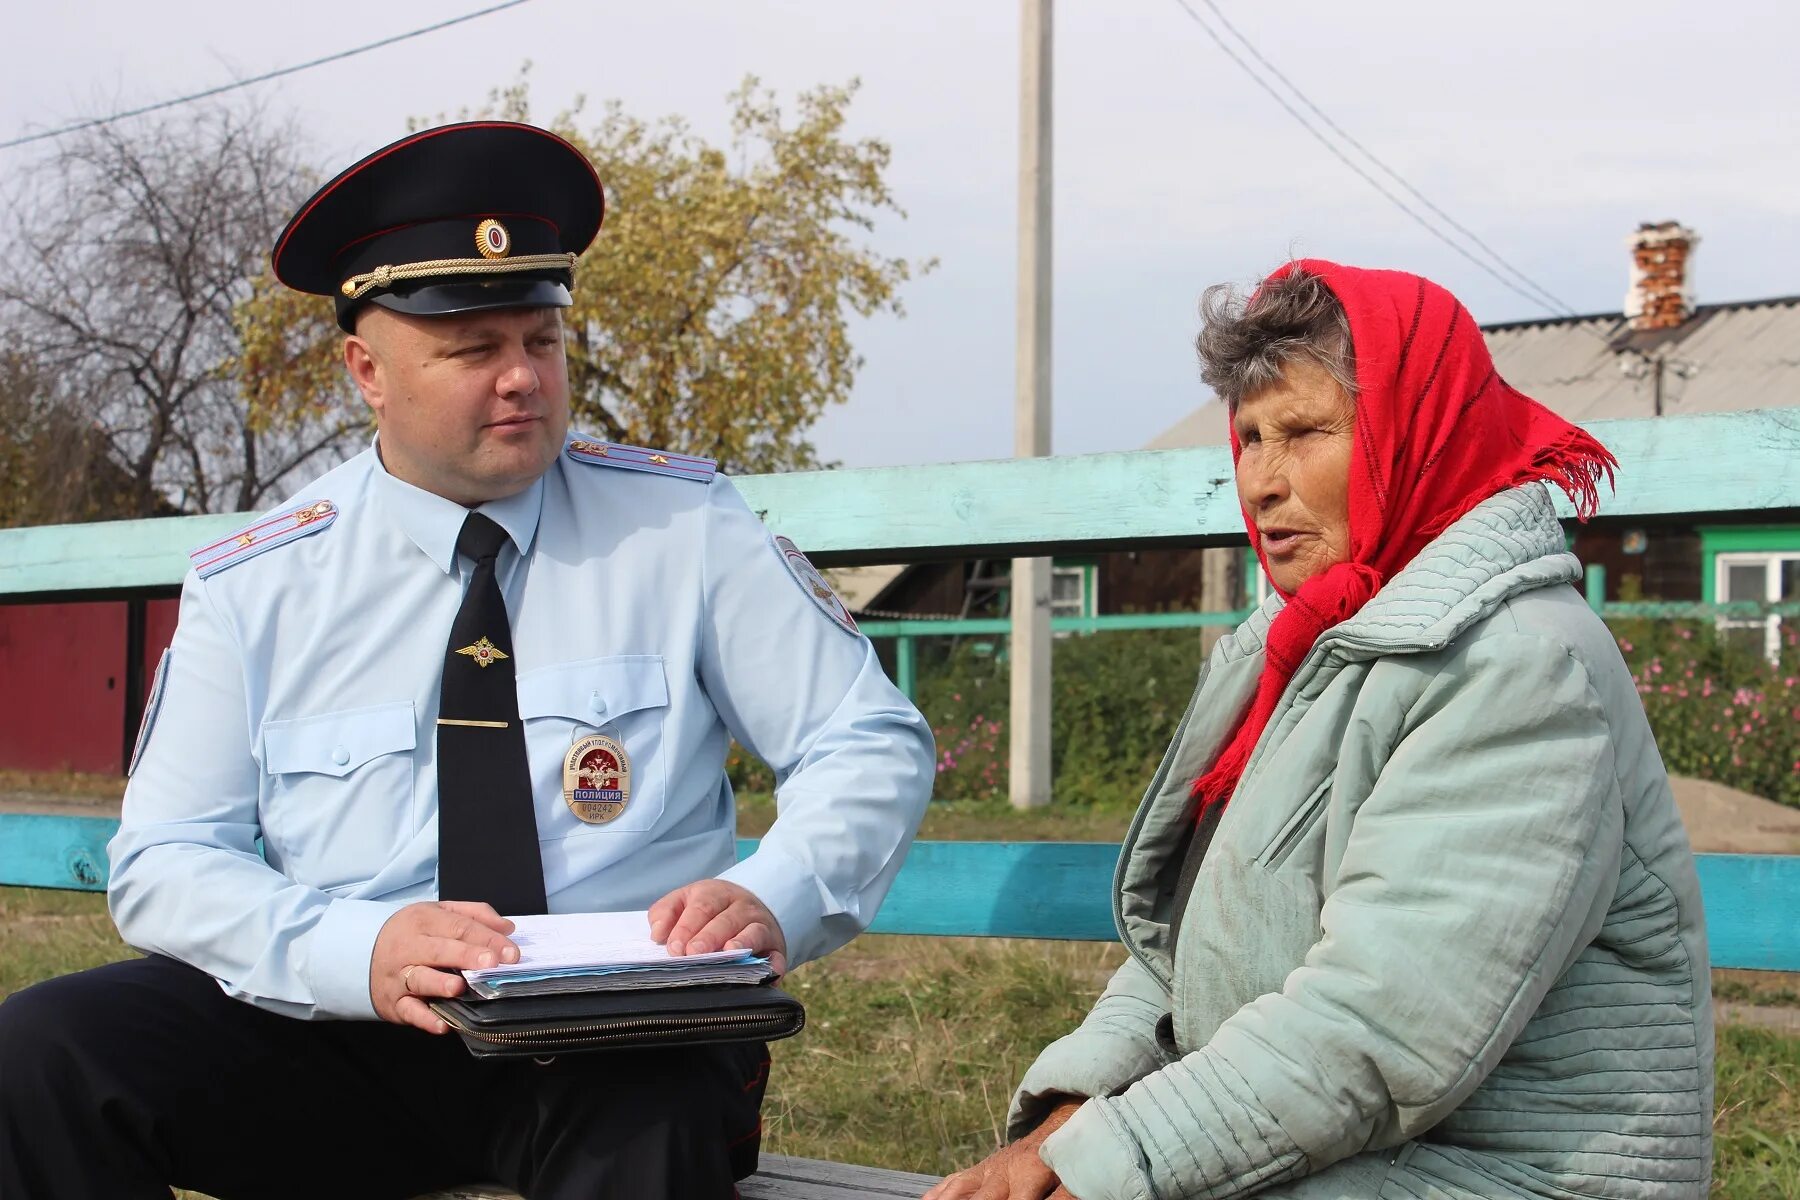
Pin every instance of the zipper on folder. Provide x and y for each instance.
(593, 1035)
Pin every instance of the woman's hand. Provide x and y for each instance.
(1013, 1172)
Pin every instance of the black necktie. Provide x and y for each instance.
(487, 827)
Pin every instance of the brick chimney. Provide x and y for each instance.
(1661, 294)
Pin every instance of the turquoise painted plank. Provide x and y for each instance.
(906, 667)
(1594, 584)
(1716, 463)
(1752, 910)
(54, 852)
(106, 555)
(1713, 463)
(976, 626)
(1057, 890)
(1681, 610)
(1060, 890)
(1016, 889)
(1660, 610)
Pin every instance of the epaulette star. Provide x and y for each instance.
(637, 458)
(277, 529)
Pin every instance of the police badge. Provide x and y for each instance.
(814, 585)
(597, 779)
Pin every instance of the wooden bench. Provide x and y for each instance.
(1722, 466)
(780, 1178)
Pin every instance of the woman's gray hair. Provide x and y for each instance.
(1246, 342)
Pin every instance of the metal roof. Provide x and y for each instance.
(1724, 358)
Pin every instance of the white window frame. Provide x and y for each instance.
(1086, 597)
(1770, 561)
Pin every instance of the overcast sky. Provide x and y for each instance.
(1548, 129)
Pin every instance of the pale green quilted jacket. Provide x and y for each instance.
(1447, 941)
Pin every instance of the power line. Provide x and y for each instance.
(1536, 299)
(1387, 170)
(264, 78)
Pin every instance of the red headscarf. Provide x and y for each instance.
(1437, 432)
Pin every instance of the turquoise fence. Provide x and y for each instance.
(1735, 466)
(906, 633)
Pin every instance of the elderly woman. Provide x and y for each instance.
(1409, 908)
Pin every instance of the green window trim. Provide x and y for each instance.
(1739, 539)
(1090, 583)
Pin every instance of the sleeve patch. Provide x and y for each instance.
(814, 585)
(151, 707)
(276, 529)
(637, 458)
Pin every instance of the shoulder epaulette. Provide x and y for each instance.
(637, 458)
(277, 529)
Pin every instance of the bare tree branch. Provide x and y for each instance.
(142, 244)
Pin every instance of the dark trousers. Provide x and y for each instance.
(122, 1081)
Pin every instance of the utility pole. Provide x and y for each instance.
(1030, 745)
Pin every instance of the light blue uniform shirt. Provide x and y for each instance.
(298, 703)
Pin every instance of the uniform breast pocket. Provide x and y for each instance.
(594, 732)
(338, 792)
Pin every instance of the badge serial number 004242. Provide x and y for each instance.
(597, 779)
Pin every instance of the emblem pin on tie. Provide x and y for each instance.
(484, 652)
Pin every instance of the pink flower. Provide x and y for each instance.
(1625, 645)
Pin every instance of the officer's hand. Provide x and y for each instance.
(715, 915)
(420, 949)
(1013, 1172)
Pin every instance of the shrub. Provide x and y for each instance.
(1115, 701)
(1719, 709)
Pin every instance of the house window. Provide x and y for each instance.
(1072, 590)
(1769, 577)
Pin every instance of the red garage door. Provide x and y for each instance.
(63, 680)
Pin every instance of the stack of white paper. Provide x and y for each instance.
(585, 952)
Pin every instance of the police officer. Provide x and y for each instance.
(487, 667)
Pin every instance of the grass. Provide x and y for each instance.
(1757, 987)
(981, 821)
(1756, 1129)
(72, 784)
(913, 1045)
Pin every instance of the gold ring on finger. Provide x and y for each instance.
(406, 977)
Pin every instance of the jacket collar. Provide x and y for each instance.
(1507, 544)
